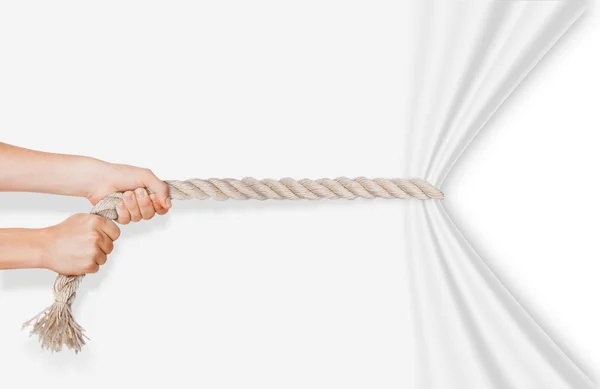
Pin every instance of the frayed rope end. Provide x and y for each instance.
(55, 326)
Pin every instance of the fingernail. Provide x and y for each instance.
(140, 193)
(129, 195)
(122, 205)
(153, 197)
(168, 202)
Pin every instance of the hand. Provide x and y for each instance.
(137, 203)
(26, 170)
(79, 245)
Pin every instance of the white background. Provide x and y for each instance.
(524, 194)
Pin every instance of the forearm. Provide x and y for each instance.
(21, 248)
(23, 170)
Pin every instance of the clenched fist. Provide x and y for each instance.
(79, 245)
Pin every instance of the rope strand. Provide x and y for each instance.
(56, 326)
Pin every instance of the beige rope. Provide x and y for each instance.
(56, 326)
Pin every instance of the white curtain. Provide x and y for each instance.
(470, 331)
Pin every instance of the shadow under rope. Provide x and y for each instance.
(35, 203)
(28, 204)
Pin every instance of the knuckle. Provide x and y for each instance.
(128, 198)
(89, 267)
(144, 201)
(165, 188)
(95, 236)
(96, 221)
(79, 216)
(100, 259)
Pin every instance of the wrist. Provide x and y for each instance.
(22, 248)
(86, 175)
(81, 176)
(39, 248)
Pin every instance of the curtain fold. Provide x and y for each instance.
(471, 55)
(469, 330)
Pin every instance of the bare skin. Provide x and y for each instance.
(80, 244)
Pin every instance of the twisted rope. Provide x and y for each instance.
(56, 326)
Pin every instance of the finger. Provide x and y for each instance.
(100, 258)
(106, 245)
(123, 214)
(91, 268)
(111, 229)
(158, 208)
(132, 206)
(159, 187)
(144, 203)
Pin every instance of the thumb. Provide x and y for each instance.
(160, 188)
